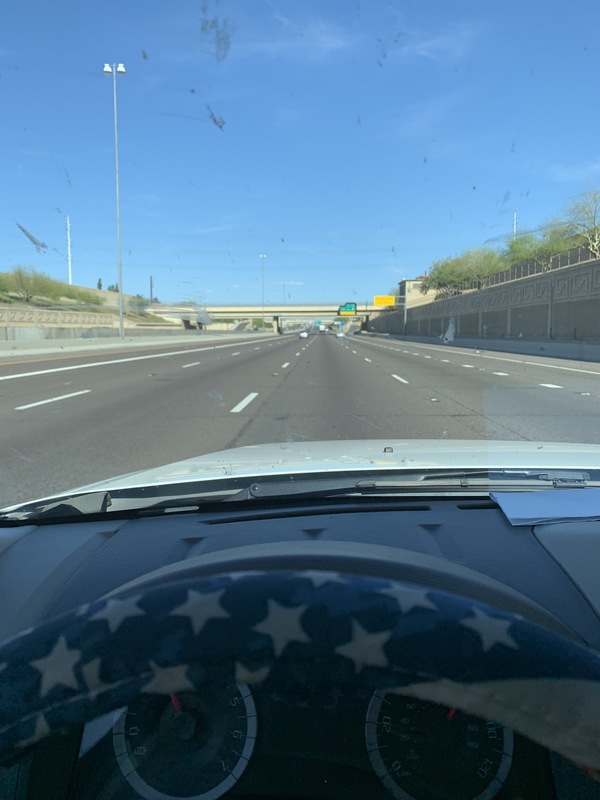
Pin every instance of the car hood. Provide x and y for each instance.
(376, 455)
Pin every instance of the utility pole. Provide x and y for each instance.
(69, 249)
(262, 257)
(515, 224)
(150, 289)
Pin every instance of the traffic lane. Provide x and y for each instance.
(542, 368)
(578, 378)
(127, 425)
(524, 405)
(73, 360)
(29, 386)
(331, 394)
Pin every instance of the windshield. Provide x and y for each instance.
(232, 223)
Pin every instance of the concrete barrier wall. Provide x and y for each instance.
(562, 304)
(550, 348)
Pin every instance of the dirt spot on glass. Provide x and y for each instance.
(39, 246)
(218, 121)
(216, 32)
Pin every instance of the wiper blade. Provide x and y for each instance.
(452, 480)
(180, 498)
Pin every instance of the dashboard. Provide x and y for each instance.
(236, 742)
(251, 741)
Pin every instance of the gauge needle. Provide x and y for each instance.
(176, 702)
(450, 714)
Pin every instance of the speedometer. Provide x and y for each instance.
(425, 751)
(192, 745)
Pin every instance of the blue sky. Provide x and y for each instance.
(351, 141)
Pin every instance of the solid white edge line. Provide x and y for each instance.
(115, 361)
(52, 400)
(243, 403)
(398, 378)
(193, 364)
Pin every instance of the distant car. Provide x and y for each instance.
(303, 335)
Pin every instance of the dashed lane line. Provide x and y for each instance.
(52, 400)
(243, 403)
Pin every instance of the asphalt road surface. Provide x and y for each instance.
(70, 419)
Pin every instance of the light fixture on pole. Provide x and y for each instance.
(114, 69)
(262, 257)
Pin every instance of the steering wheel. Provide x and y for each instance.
(300, 632)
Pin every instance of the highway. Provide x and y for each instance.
(69, 419)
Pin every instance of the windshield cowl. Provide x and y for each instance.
(380, 476)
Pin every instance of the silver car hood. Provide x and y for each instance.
(371, 455)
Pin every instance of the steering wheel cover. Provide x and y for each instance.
(301, 632)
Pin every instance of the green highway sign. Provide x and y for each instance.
(347, 310)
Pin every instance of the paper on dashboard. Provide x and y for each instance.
(548, 505)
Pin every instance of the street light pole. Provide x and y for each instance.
(262, 257)
(113, 69)
(69, 250)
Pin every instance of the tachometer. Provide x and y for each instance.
(192, 745)
(424, 751)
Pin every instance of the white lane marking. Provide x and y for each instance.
(284, 366)
(426, 356)
(354, 351)
(503, 374)
(416, 354)
(235, 354)
(398, 378)
(368, 359)
(531, 363)
(550, 385)
(193, 364)
(446, 360)
(257, 348)
(52, 400)
(114, 361)
(296, 354)
(243, 403)
(468, 366)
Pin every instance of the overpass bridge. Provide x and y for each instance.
(274, 313)
(286, 311)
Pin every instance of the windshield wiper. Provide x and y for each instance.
(478, 479)
(180, 498)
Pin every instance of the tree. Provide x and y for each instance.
(524, 247)
(556, 237)
(100, 284)
(113, 287)
(469, 267)
(23, 283)
(584, 216)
